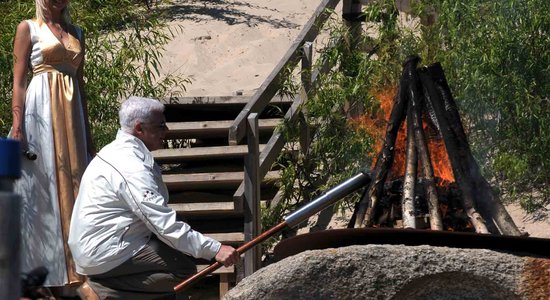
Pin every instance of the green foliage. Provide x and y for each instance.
(124, 41)
(496, 60)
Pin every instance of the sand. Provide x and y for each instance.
(230, 47)
(226, 47)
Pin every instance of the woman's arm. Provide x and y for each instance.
(80, 76)
(21, 54)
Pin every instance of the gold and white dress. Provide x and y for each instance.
(55, 131)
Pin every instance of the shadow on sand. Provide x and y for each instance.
(232, 13)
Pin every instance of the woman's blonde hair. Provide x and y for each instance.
(41, 8)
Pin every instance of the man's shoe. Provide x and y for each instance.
(86, 292)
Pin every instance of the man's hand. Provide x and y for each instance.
(227, 256)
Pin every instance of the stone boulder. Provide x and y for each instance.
(399, 272)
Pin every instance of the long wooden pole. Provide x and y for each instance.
(407, 201)
(330, 197)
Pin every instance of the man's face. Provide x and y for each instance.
(152, 133)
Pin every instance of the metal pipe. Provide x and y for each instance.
(293, 219)
(334, 194)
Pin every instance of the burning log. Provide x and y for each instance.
(449, 139)
(420, 140)
(489, 204)
(369, 199)
(433, 124)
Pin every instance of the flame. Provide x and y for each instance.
(375, 124)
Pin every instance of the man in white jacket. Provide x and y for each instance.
(123, 236)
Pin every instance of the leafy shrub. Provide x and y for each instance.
(124, 41)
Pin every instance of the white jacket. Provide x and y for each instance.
(122, 200)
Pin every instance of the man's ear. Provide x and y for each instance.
(138, 128)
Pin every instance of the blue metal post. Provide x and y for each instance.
(10, 216)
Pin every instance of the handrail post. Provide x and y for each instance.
(252, 215)
(10, 214)
(351, 13)
(307, 63)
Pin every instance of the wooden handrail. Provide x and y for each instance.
(269, 154)
(272, 83)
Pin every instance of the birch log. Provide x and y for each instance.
(407, 202)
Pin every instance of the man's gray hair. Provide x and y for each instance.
(137, 110)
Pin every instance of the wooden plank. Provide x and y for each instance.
(224, 284)
(196, 197)
(272, 83)
(222, 270)
(276, 142)
(211, 180)
(210, 128)
(201, 207)
(219, 100)
(307, 63)
(201, 153)
(227, 238)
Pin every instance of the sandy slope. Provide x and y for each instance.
(230, 46)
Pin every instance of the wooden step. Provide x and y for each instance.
(219, 100)
(222, 270)
(203, 207)
(196, 197)
(208, 129)
(201, 153)
(227, 238)
(201, 181)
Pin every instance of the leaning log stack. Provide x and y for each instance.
(424, 95)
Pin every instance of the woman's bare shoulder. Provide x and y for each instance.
(24, 25)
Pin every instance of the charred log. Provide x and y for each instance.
(489, 204)
(451, 146)
(370, 197)
(415, 104)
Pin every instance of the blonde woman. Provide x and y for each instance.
(50, 119)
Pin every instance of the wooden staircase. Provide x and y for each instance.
(220, 151)
(203, 172)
